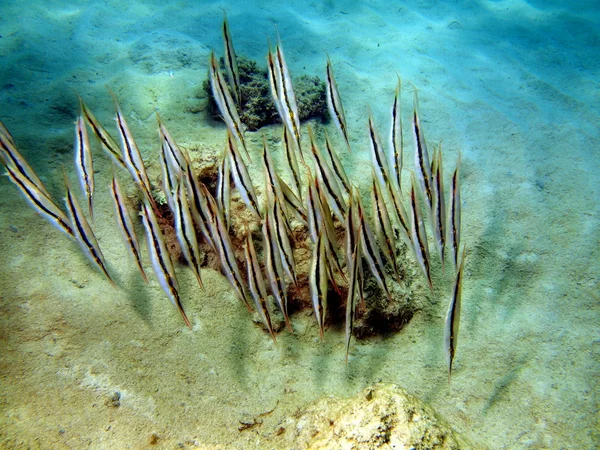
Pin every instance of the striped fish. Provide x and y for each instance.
(241, 178)
(224, 190)
(453, 317)
(109, 145)
(10, 156)
(274, 82)
(226, 104)
(84, 162)
(328, 180)
(454, 216)
(6, 134)
(225, 250)
(336, 165)
(396, 138)
(174, 156)
(126, 224)
(292, 202)
(83, 232)
(383, 226)
(161, 260)
(334, 104)
(353, 264)
(274, 271)
(169, 177)
(378, 157)
(231, 65)
(418, 234)
(256, 283)
(132, 156)
(422, 165)
(287, 98)
(371, 252)
(292, 161)
(40, 202)
(318, 283)
(438, 218)
(186, 233)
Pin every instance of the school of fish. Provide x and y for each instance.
(318, 196)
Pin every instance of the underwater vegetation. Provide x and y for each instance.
(309, 242)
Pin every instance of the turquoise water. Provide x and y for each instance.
(511, 85)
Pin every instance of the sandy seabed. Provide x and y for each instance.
(512, 85)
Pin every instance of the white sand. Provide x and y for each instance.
(510, 84)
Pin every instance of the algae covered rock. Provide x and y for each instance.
(258, 109)
(382, 416)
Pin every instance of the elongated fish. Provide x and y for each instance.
(292, 161)
(231, 65)
(318, 283)
(39, 201)
(109, 145)
(328, 180)
(161, 260)
(132, 156)
(334, 104)
(454, 216)
(453, 317)
(241, 178)
(224, 190)
(370, 251)
(226, 104)
(353, 264)
(10, 156)
(83, 232)
(6, 134)
(337, 166)
(186, 233)
(438, 218)
(378, 157)
(126, 224)
(84, 163)
(422, 165)
(287, 98)
(418, 234)
(274, 271)
(256, 283)
(396, 139)
(383, 226)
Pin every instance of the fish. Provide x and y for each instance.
(326, 178)
(83, 232)
(378, 157)
(353, 264)
(287, 98)
(422, 165)
(177, 162)
(334, 104)
(371, 252)
(274, 271)
(84, 162)
(39, 201)
(126, 224)
(169, 177)
(241, 178)
(383, 226)
(292, 161)
(109, 145)
(10, 156)
(226, 104)
(161, 260)
(256, 283)
(223, 191)
(336, 165)
(438, 218)
(231, 65)
(6, 134)
(396, 139)
(293, 203)
(454, 216)
(225, 250)
(132, 156)
(186, 233)
(274, 82)
(418, 233)
(453, 317)
(318, 283)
